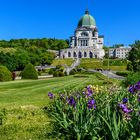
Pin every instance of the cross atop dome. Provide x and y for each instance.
(87, 12)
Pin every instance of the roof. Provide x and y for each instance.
(86, 20)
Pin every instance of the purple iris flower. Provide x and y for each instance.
(137, 86)
(89, 91)
(91, 104)
(132, 89)
(125, 108)
(122, 106)
(139, 95)
(51, 95)
(71, 101)
(125, 100)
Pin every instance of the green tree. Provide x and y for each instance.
(5, 74)
(134, 56)
(29, 72)
(22, 58)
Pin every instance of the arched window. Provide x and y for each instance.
(85, 54)
(84, 34)
(69, 54)
(90, 54)
(80, 55)
(74, 54)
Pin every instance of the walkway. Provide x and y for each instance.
(73, 66)
(110, 74)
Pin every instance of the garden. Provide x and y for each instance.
(98, 112)
(83, 106)
(23, 104)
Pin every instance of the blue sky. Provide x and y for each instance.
(117, 20)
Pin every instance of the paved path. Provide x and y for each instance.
(110, 74)
(73, 66)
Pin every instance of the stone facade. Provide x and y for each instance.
(86, 43)
(120, 52)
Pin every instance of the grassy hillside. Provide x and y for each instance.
(68, 62)
(22, 103)
(114, 64)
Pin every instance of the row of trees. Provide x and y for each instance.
(21, 57)
(17, 53)
(53, 44)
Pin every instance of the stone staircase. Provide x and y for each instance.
(73, 66)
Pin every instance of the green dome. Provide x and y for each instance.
(86, 20)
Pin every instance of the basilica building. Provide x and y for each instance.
(86, 42)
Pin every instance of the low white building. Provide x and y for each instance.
(86, 43)
(120, 52)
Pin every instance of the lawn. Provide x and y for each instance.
(67, 62)
(22, 103)
(114, 64)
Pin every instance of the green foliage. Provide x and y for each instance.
(73, 119)
(2, 116)
(51, 71)
(8, 60)
(29, 72)
(58, 71)
(131, 79)
(54, 44)
(130, 66)
(73, 72)
(5, 74)
(16, 54)
(25, 122)
(134, 57)
(123, 73)
(114, 64)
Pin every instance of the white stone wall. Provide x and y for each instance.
(121, 52)
(86, 43)
(82, 53)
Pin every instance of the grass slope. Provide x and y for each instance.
(22, 104)
(68, 62)
(114, 64)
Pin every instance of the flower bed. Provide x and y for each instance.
(97, 113)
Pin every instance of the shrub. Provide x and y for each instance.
(130, 66)
(61, 74)
(58, 71)
(123, 73)
(65, 73)
(29, 72)
(73, 72)
(51, 71)
(60, 68)
(56, 74)
(131, 79)
(5, 74)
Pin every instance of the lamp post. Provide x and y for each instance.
(108, 67)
